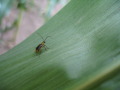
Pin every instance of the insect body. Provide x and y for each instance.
(38, 48)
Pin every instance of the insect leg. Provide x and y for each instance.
(45, 47)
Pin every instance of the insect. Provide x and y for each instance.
(38, 48)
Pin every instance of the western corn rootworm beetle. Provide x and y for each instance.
(38, 48)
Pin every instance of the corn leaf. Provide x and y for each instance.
(83, 54)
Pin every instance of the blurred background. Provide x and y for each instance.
(20, 18)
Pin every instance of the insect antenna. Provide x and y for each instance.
(41, 36)
(46, 38)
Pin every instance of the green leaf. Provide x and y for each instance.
(5, 6)
(83, 54)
